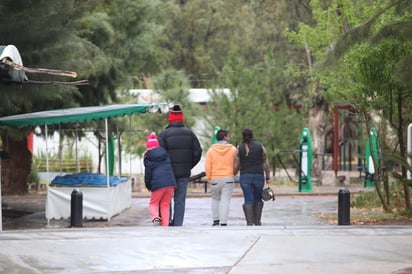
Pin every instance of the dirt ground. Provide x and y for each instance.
(366, 217)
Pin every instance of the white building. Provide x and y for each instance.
(196, 95)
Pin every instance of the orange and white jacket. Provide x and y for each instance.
(220, 161)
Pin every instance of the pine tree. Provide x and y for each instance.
(45, 33)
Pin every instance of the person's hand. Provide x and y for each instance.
(267, 181)
(236, 179)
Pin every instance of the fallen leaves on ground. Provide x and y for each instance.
(368, 217)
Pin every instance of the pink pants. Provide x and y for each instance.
(161, 198)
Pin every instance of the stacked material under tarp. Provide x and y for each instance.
(86, 179)
(99, 200)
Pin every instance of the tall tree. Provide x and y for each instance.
(256, 100)
(44, 33)
(360, 63)
(110, 43)
(129, 33)
(200, 33)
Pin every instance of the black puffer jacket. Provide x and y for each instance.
(183, 147)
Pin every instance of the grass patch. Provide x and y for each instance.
(364, 217)
(366, 209)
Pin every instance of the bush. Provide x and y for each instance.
(33, 177)
(369, 200)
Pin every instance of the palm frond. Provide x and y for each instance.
(348, 40)
(362, 33)
(401, 30)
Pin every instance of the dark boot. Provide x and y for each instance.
(248, 210)
(257, 210)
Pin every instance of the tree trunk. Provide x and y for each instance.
(16, 169)
(319, 123)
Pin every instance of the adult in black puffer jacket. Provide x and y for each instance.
(159, 179)
(185, 152)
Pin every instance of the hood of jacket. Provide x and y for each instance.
(157, 154)
(222, 149)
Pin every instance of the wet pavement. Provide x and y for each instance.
(290, 208)
(291, 240)
(200, 249)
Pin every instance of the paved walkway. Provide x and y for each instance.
(290, 208)
(235, 249)
(291, 240)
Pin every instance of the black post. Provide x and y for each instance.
(344, 207)
(76, 213)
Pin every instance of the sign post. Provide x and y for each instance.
(305, 181)
(1, 209)
(214, 140)
(409, 150)
(371, 157)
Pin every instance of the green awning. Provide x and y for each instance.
(73, 115)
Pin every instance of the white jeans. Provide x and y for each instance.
(221, 191)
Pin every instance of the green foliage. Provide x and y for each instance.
(118, 44)
(99, 29)
(358, 63)
(201, 34)
(257, 100)
(33, 177)
(106, 42)
(173, 87)
(67, 164)
(398, 161)
(370, 199)
(138, 28)
(43, 38)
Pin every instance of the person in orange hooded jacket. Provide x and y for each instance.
(219, 167)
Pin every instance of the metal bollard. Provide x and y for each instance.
(76, 213)
(344, 207)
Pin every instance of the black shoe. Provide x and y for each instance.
(223, 224)
(215, 223)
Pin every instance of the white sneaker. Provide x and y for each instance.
(156, 221)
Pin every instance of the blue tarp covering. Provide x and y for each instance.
(86, 179)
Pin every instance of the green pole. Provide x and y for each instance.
(371, 154)
(111, 155)
(305, 181)
(214, 140)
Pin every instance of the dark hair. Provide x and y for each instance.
(247, 135)
(221, 134)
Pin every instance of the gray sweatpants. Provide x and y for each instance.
(221, 191)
